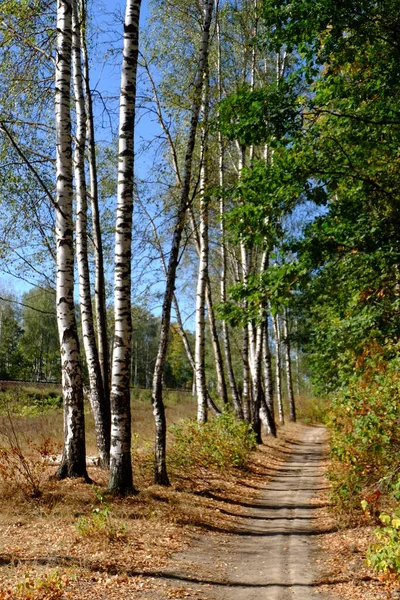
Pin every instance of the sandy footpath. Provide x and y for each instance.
(272, 554)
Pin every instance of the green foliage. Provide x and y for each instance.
(10, 336)
(100, 523)
(312, 410)
(29, 401)
(265, 115)
(39, 344)
(384, 556)
(222, 442)
(146, 330)
(365, 433)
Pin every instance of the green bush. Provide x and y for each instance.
(384, 556)
(29, 401)
(222, 442)
(365, 434)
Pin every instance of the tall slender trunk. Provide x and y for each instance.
(120, 454)
(179, 321)
(245, 270)
(288, 366)
(246, 394)
(278, 369)
(199, 354)
(298, 372)
(225, 333)
(73, 462)
(160, 473)
(267, 403)
(219, 365)
(255, 339)
(96, 393)
(99, 283)
(268, 383)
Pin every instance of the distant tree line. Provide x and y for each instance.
(29, 345)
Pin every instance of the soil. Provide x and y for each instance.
(272, 553)
(266, 532)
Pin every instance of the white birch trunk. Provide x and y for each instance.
(225, 333)
(179, 321)
(96, 393)
(288, 366)
(120, 452)
(73, 462)
(258, 403)
(99, 283)
(160, 473)
(268, 383)
(219, 365)
(199, 353)
(244, 263)
(278, 369)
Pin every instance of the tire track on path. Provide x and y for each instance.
(272, 553)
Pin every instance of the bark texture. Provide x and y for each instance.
(73, 462)
(99, 282)
(202, 278)
(288, 366)
(268, 382)
(278, 369)
(120, 453)
(96, 392)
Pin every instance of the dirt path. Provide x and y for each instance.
(272, 554)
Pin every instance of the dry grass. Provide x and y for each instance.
(46, 555)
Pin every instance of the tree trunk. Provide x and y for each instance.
(181, 329)
(268, 383)
(246, 395)
(255, 369)
(225, 333)
(96, 393)
(99, 283)
(219, 365)
(120, 455)
(288, 366)
(278, 369)
(160, 473)
(73, 462)
(199, 354)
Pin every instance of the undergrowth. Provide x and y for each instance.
(29, 401)
(47, 587)
(365, 467)
(24, 462)
(222, 442)
(365, 437)
(101, 524)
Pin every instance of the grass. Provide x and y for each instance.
(70, 543)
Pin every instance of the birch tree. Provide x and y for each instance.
(120, 453)
(96, 391)
(161, 476)
(74, 452)
(288, 366)
(99, 282)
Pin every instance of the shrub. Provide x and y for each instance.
(100, 522)
(48, 587)
(222, 442)
(24, 464)
(365, 435)
(384, 556)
